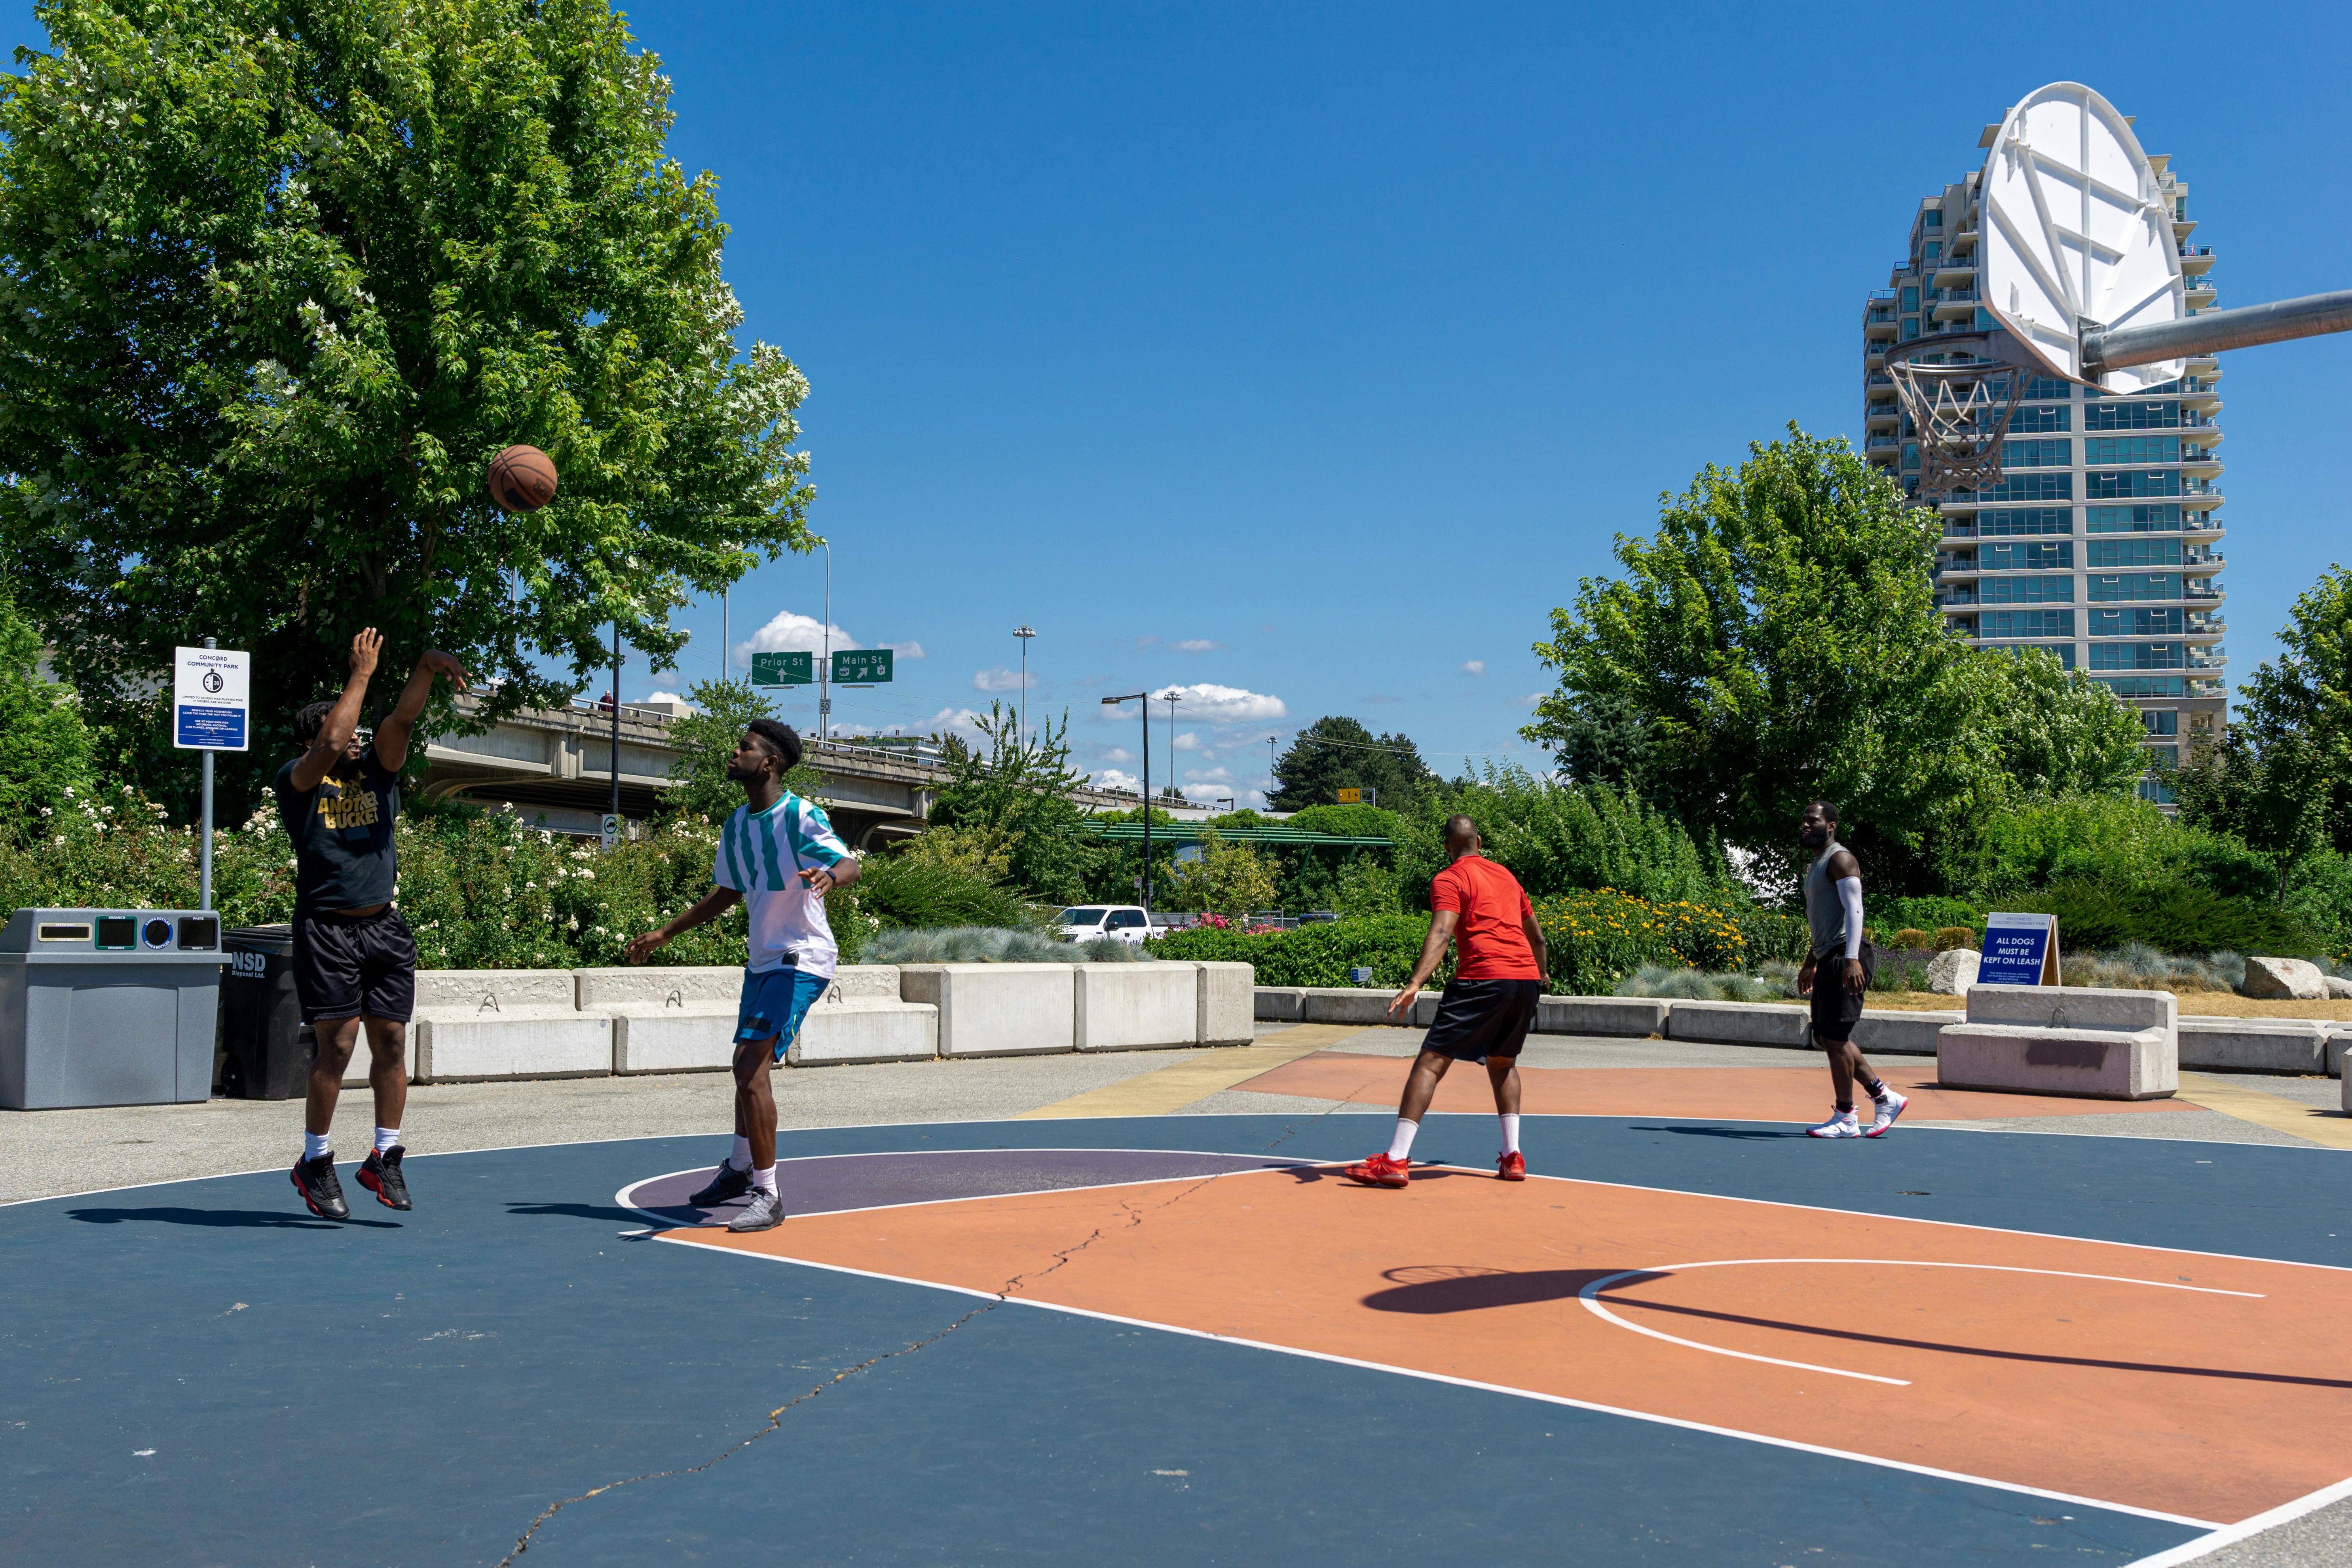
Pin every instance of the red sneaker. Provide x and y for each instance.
(1511, 1167)
(1379, 1171)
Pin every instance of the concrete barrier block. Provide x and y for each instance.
(649, 1037)
(2339, 1039)
(866, 1030)
(997, 1009)
(2254, 1045)
(864, 983)
(2072, 1007)
(2086, 1064)
(1347, 1005)
(1741, 1023)
(1278, 1003)
(1424, 1007)
(1637, 1018)
(662, 986)
(1136, 1006)
(494, 990)
(1892, 1033)
(1226, 1002)
(512, 1042)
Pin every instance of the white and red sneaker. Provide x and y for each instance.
(1379, 1171)
(1511, 1166)
(1840, 1124)
(1889, 1107)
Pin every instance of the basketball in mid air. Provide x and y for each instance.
(523, 479)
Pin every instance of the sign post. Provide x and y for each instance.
(211, 692)
(612, 829)
(2020, 950)
(783, 669)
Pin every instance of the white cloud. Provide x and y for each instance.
(906, 650)
(1117, 754)
(1207, 704)
(1001, 680)
(1473, 666)
(1117, 778)
(666, 697)
(1532, 697)
(1210, 775)
(1188, 742)
(1198, 644)
(789, 632)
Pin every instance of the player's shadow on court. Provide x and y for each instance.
(1435, 1290)
(227, 1219)
(1738, 1134)
(602, 1213)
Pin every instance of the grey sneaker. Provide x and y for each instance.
(764, 1212)
(724, 1187)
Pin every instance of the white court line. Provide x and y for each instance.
(1674, 1421)
(2246, 1529)
(1591, 1294)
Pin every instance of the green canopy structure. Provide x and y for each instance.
(1281, 837)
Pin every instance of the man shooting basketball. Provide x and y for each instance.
(792, 949)
(1488, 1007)
(1837, 970)
(354, 960)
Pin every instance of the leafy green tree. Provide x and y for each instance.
(706, 740)
(2267, 788)
(278, 284)
(1227, 878)
(1336, 752)
(1562, 838)
(1604, 739)
(1012, 796)
(45, 747)
(1780, 634)
(2300, 706)
(2056, 730)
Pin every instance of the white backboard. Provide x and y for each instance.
(2075, 234)
(209, 699)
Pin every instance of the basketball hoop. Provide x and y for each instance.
(1960, 414)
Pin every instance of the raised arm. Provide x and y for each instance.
(334, 736)
(392, 736)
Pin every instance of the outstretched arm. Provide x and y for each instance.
(1432, 952)
(392, 736)
(335, 734)
(716, 902)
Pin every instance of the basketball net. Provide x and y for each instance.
(1960, 414)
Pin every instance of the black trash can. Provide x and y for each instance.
(268, 1051)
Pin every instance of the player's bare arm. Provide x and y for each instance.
(822, 879)
(1432, 954)
(713, 904)
(392, 736)
(334, 738)
(1536, 943)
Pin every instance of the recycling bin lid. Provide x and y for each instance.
(272, 939)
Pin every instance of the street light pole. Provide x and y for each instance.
(1024, 634)
(617, 729)
(1144, 697)
(824, 670)
(1173, 698)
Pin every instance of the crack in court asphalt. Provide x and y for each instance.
(776, 1417)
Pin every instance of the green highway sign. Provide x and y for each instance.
(783, 668)
(862, 667)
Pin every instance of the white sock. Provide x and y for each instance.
(386, 1136)
(313, 1144)
(741, 1158)
(765, 1180)
(1401, 1144)
(1510, 1119)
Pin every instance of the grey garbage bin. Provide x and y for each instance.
(268, 1050)
(108, 1007)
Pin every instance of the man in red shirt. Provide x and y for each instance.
(1487, 1008)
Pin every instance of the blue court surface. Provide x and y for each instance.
(524, 1369)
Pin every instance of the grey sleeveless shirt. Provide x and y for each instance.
(1823, 912)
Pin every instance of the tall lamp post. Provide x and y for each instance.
(1024, 634)
(617, 729)
(1145, 698)
(1172, 697)
(824, 670)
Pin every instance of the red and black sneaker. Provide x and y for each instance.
(1379, 1171)
(380, 1175)
(320, 1189)
(1509, 1167)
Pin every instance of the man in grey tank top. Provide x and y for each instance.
(1842, 964)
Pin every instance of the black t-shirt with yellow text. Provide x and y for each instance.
(342, 836)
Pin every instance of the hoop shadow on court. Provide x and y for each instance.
(233, 1219)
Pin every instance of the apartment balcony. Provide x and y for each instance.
(2202, 461)
(1956, 272)
(2201, 293)
(1873, 355)
(2207, 594)
(2195, 259)
(1956, 304)
(2192, 420)
(2199, 686)
(1876, 444)
(2202, 489)
(2202, 523)
(1956, 565)
(1954, 599)
(2182, 227)
(2201, 661)
(1956, 528)
(2207, 623)
(1879, 379)
(2204, 558)
(1874, 328)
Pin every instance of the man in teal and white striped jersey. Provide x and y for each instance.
(779, 857)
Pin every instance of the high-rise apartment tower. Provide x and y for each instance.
(2099, 543)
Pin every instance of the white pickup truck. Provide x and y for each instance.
(1130, 923)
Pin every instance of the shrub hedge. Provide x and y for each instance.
(1315, 954)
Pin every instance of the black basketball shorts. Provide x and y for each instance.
(1481, 1018)
(350, 967)
(1837, 1010)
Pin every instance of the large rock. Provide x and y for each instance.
(2339, 989)
(1953, 971)
(2285, 980)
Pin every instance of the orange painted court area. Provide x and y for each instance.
(1714, 1094)
(2143, 1386)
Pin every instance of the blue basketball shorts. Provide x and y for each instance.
(775, 1004)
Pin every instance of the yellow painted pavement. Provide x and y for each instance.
(1178, 1085)
(2331, 1129)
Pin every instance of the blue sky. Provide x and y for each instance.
(1310, 355)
